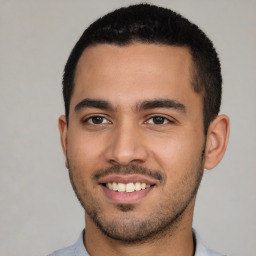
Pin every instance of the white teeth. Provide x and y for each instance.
(129, 187)
(110, 186)
(121, 187)
(114, 185)
(137, 186)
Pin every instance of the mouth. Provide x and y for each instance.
(126, 189)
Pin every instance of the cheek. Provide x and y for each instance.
(83, 152)
(177, 153)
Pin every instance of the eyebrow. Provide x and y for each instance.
(144, 105)
(161, 103)
(91, 103)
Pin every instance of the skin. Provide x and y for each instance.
(127, 135)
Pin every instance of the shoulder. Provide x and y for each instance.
(77, 249)
(213, 253)
(68, 251)
(201, 250)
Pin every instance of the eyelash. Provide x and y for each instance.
(163, 118)
(95, 116)
(166, 120)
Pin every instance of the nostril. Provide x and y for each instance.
(113, 162)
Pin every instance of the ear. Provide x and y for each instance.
(217, 140)
(63, 135)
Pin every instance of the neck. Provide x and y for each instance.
(176, 240)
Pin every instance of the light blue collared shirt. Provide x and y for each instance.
(78, 249)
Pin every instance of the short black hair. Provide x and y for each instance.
(151, 24)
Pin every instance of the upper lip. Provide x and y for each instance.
(126, 179)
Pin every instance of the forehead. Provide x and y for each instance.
(137, 70)
(133, 57)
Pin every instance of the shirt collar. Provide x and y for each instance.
(201, 250)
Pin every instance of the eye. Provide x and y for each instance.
(159, 120)
(96, 120)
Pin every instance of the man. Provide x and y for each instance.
(142, 92)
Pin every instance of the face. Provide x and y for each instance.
(135, 138)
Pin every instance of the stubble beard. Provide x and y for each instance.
(130, 229)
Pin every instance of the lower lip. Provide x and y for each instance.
(125, 197)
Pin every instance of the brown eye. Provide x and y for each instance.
(97, 120)
(158, 120)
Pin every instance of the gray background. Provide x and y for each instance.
(39, 212)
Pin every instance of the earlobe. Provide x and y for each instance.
(63, 134)
(217, 140)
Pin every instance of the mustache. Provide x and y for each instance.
(129, 169)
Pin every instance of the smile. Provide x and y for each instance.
(128, 188)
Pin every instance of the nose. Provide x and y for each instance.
(127, 145)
